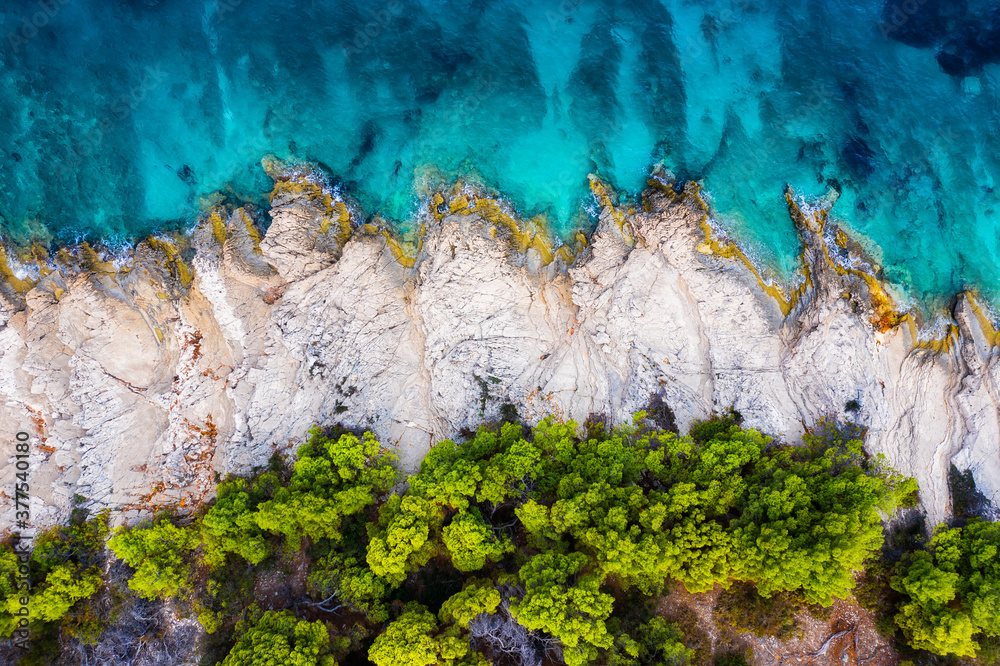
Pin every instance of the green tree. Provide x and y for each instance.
(64, 585)
(333, 479)
(8, 590)
(81, 541)
(354, 584)
(414, 639)
(953, 591)
(508, 475)
(471, 542)
(158, 551)
(490, 468)
(230, 525)
(400, 542)
(563, 601)
(477, 596)
(644, 504)
(448, 477)
(63, 570)
(814, 516)
(626, 510)
(443, 511)
(278, 638)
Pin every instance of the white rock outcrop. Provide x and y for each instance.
(138, 387)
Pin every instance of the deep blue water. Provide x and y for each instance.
(117, 116)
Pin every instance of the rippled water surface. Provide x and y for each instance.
(118, 115)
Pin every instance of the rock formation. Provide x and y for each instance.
(141, 382)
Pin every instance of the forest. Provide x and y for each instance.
(555, 544)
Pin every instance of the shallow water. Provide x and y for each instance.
(119, 115)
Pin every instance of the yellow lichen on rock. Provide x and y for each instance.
(602, 193)
(530, 233)
(92, 260)
(434, 204)
(985, 321)
(404, 251)
(172, 259)
(534, 233)
(525, 233)
(841, 238)
(19, 285)
(723, 247)
(568, 253)
(340, 215)
(336, 213)
(299, 187)
(272, 166)
(219, 230)
(886, 316)
(240, 215)
(37, 255)
(657, 182)
(937, 345)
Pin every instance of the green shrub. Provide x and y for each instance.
(400, 542)
(354, 584)
(471, 543)
(743, 609)
(64, 585)
(595, 525)
(656, 643)
(63, 569)
(477, 597)
(712, 428)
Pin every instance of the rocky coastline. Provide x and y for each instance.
(142, 381)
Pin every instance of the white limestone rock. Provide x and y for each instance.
(138, 389)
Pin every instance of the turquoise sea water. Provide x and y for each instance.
(117, 115)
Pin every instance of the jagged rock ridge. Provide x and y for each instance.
(141, 384)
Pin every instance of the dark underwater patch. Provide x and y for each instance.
(964, 39)
(186, 174)
(914, 23)
(858, 156)
(661, 81)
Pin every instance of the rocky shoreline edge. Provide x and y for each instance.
(144, 378)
